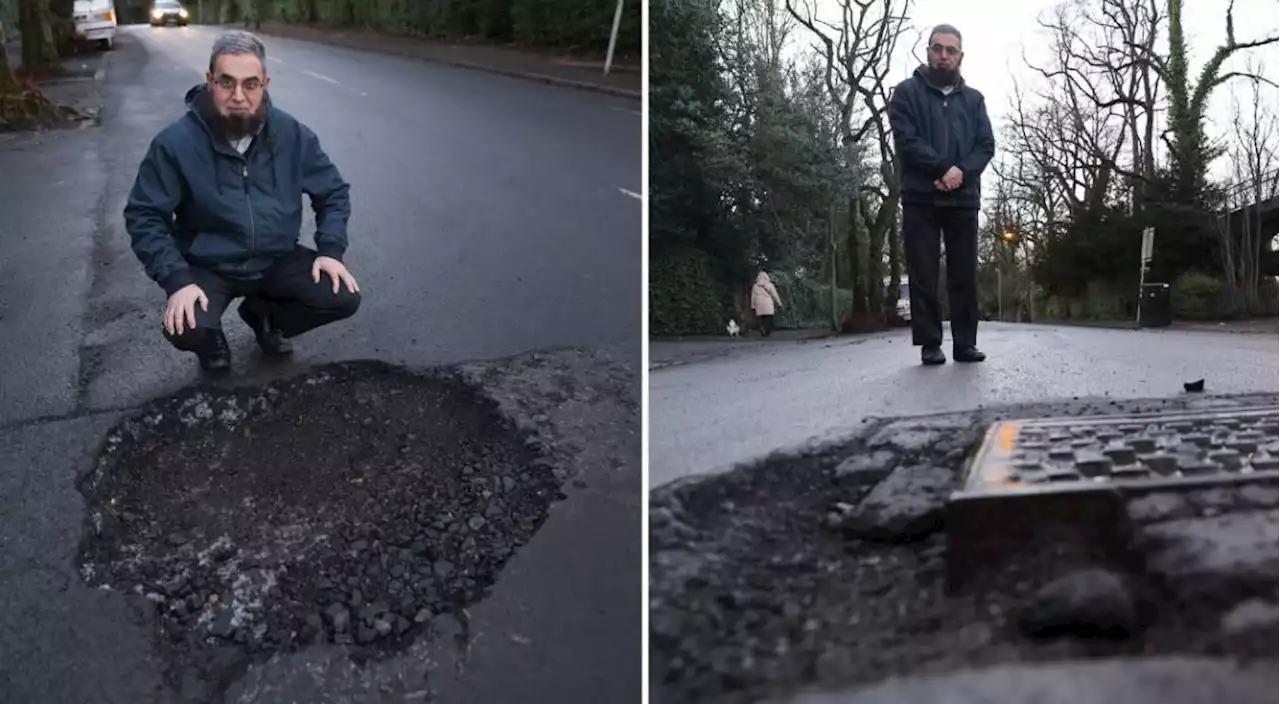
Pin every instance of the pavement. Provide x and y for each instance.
(586, 73)
(671, 351)
(492, 217)
(741, 401)
(1249, 326)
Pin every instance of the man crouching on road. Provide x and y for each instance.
(943, 138)
(216, 211)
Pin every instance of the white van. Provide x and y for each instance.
(96, 21)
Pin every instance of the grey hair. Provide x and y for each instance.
(238, 41)
(946, 29)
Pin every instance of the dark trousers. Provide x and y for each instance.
(285, 292)
(924, 228)
(766, 325)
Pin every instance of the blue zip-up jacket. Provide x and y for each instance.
(199, 202)
(933, 132)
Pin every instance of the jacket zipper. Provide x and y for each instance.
(946, 127)
(248, 201)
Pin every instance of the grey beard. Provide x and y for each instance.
(943, 77)
(239, 126)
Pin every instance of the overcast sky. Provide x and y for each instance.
(996, 31)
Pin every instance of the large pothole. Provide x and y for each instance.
(351, 505)
(827, 569)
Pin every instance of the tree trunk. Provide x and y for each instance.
(8, 83)
(884, 228)
(875, 266)
(1031, 282)
(835, 253)
(895, 263)
(39, 53)
(858, 309)
(1249, 270)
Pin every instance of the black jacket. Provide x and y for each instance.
(198, 202)
(933, 132)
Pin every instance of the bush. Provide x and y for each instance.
(1104, 303)
(1270, 293)
(1099, 302)
(563, 24)
(684, 296)
(1053, 308)
(1196, 296)
(806, 303)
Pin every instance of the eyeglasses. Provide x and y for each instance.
(950, 50)
(249, 85)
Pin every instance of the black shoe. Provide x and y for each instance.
(270, 340)
(968, 354)
(216, 357)
(932, 355)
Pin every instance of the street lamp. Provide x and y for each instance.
(1009, 237)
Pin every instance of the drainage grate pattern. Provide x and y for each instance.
(1062, 452)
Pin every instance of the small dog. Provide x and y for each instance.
(733, 328)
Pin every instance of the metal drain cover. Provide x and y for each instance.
(1056, 489)
(1131, 451)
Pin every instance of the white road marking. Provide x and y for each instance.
(633, 194)
(272, 58)
(322, 77)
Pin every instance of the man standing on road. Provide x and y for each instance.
(943, 138)
(216, 211)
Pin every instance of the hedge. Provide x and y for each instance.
(684, 296)
(582, 25)
(806, 304)
(1197, 296)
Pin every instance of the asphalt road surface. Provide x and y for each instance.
(488, 219)
(750, 400)
(491, 217)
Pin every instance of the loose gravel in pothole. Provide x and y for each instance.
(351, 505)
(828, 570)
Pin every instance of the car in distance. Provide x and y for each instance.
(164, 12)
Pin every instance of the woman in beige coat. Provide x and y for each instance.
(764, 299)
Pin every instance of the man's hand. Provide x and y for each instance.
(182, 308)
(336, 271)
(952, 179)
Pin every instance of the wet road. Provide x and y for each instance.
(709, 415)
(491, 216)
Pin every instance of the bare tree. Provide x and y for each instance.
(858, 51)
(1137, 28)
(1045, 165)
(1065, 156)
(1252, 151)
(1103, 97)
(1188, 100)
